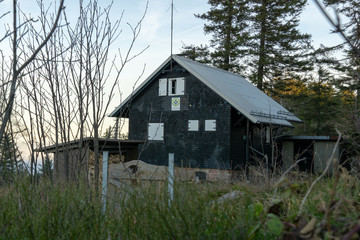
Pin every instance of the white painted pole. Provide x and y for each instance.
(171, 178)
(104, 179)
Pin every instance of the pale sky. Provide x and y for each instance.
(189, 30)
(155, 31)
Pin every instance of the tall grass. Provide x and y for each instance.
(73, 211)
(48, 211)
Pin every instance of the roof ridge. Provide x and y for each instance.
(209, 66)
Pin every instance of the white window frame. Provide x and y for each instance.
(179, 86)
(172, 86)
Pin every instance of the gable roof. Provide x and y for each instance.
(235, 89)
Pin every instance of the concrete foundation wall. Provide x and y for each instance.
(220, 175)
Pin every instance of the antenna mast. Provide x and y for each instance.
(172, 32)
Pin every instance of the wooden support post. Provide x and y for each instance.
(104, 179)
(171, 178)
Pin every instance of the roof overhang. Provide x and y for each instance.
(111, 145)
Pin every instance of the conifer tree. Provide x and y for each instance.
(259, 39)
(323, 103)
(9, 155)
(228, 23)
(276, 43)
(349, 11)
(197, 53)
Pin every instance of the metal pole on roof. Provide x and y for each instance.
(172, 32)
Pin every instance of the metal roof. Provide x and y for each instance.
(235, 89)
(333, 138)
(105, 144)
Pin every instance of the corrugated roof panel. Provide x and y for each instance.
(235, 89)
(240, 93)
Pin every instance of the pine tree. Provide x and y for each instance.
(323, 103)
(9, 155)
(259, 39)
(47, 169)
(348, 23)
(227, 21)
(276, 43)
(349, 11)
(197, 53)
(314, 100)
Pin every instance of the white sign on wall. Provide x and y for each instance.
(175, 104)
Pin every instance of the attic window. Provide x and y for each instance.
(176, 86)
(173, 86)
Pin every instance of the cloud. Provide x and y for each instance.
(155, 21)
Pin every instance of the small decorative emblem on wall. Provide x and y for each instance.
(175, 104)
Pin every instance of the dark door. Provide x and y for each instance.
(304, 149)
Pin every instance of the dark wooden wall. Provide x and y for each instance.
(204, 149)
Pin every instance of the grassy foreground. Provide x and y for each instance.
(257, 211)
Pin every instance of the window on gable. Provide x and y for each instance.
(173, 86)
(176, 86)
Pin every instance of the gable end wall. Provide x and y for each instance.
(192, 149)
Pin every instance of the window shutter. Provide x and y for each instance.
(193, 125)
(180, 88)
(156, 131)
(210, 125)
(162, 87)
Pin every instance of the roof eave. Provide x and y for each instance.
(117, 110)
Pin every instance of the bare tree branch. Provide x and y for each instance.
(337, 25)
(15, 70)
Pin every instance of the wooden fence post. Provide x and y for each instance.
(104, 179)
(171, 178)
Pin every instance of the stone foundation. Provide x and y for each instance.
(214, 175)
(181, 173)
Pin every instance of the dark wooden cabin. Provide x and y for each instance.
(209, 118)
